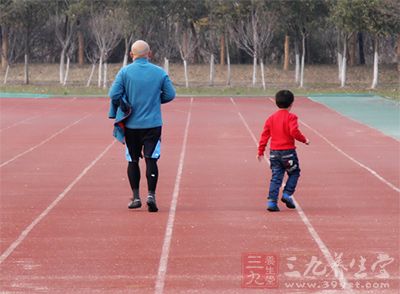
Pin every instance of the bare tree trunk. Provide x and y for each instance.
(211, 82)
(81, 48)
(166, 65)
(302, 61)
(100, 70)
(125, 62)
(105, 75)
(222, 50)
(105, 81)
(398, 52)
(360, 41)
(26, 70)
(352, 50)
(297, 62)
(339, 57)
(344, 64)
(262, 73)
(91, 75)
(66, 72)
(228, 62)
(254, 70)
(62, 65)
(286, 58)
(4, 47)
(6, 74)
(186, 73)
(376, 61)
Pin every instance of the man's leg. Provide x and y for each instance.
(132, 138)
(151, 175)
(134, 181)
(152, 178)
(152, 149)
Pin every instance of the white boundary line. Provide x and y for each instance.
(44, 141)
(29, 228)
(370, 170)
(162, 268)
(20, 122)
(321, 245)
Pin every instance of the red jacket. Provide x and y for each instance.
(283, 129)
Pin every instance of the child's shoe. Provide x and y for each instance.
(287, 199)
(272, 206)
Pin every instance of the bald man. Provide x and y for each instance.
(145, 86)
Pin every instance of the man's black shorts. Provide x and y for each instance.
(146, 140)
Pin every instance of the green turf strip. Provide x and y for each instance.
(374, 111)
(23, 95)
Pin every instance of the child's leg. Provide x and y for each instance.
(276, 179)
(293, 171)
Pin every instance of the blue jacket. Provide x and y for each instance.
(121, 110)
(145, 86)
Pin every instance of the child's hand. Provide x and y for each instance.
(259, 157)
(308, 142)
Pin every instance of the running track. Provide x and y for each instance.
(65, 226)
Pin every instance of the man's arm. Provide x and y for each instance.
(117, 89)
(167, 91)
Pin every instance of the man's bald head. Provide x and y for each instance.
(140, 49)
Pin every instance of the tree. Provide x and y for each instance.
(80, 11)
(253, 31)
(383, 19)
(186, 14)
(349, 16)
(209, 36)
(6, 18)
(30, 16)
(221, 19)
(64, 23)
(298, 19)
(106, 29)
(137, 23)
(378, 17)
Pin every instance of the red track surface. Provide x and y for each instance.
(88, 241)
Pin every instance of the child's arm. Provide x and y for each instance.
(265, 135)
(294, 130)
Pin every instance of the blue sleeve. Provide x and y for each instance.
(117, 89)
(114, 104)
(167, 90)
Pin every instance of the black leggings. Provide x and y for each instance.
(151, 174)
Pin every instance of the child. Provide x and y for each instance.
(282, 128)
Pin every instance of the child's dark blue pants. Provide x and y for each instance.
(283, 161)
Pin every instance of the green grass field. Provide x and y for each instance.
(57, 90)
(318, 79)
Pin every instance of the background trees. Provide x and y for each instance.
(201, 31)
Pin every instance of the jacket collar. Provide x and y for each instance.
(141, 60)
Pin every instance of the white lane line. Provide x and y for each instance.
(339, 275)
(162, 268)
(29, 228)
(370, 170)
(44, 141)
